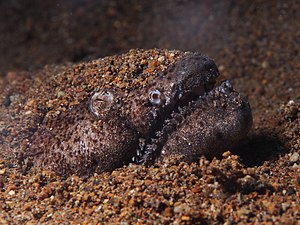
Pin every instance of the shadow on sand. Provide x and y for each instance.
(261, 147)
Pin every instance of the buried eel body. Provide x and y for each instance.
(170, 110)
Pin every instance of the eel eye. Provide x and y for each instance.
(157, 98)
(101, 103)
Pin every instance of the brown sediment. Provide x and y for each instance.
(254, 44)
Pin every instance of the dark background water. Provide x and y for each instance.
(34, 33)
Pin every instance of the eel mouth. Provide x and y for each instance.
(150, 147)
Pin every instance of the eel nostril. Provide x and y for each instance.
(225, 87)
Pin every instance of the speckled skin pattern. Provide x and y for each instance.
(142, 106)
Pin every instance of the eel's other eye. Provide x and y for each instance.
(101, 103)
(157, 98)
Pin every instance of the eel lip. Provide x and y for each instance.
(150, 147)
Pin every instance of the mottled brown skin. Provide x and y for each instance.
(112, 127)
(76, 142)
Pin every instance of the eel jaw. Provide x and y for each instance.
(150, 149)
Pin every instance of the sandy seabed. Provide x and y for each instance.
(256, 45)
